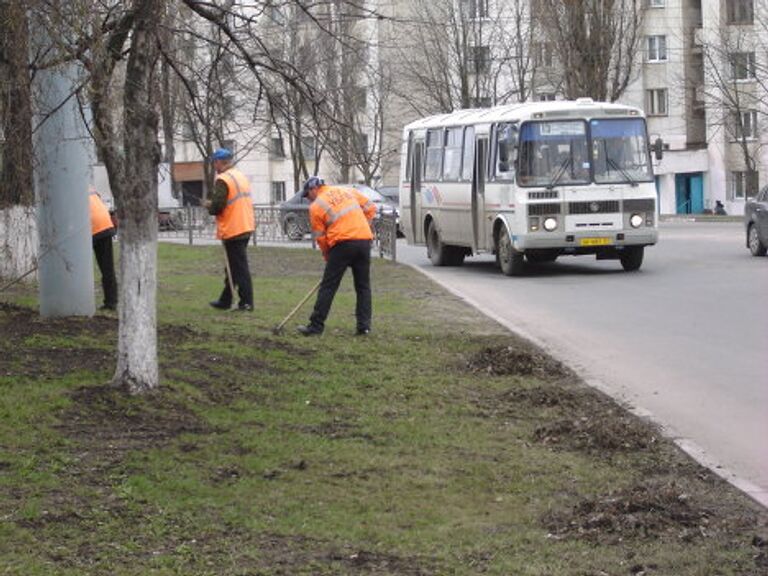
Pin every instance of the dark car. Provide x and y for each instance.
(294, 212)
(391, 193)
(294, 216)
(756, 223)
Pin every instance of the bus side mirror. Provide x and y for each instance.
(658, 148)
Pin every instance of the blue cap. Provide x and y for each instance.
(222, 154)
(312, 182)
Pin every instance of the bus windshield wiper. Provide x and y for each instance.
(559, 174)
(621, 170)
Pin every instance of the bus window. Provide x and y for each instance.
(469, 153)
(620, 151)
(408, 159)
(553, 152)
(452, 158)
(506, 148)
(434, 154)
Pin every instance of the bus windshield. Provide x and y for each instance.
(620, 151)
(552, 153)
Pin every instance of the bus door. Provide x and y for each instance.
(416, 171)
(478, 194)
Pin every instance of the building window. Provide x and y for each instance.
(230, 145)
(277, 193)
(542, 55)
(739, 11)
(477, 8)
(480, 102)
(308, 148)
(656, 102)
(740, 184)
(742, 65)
(276, 149)
(745, 124)
(361, 144)
(657, 48)
(545, 97)
(481, 59)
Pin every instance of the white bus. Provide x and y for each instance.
(530, 181)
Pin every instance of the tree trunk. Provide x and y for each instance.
(18, 226)
(18, 242)
(137, 365)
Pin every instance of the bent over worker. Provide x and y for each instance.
(232, 205)
(341, 224)
(102, 231)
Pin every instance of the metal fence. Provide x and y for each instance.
(194, 224)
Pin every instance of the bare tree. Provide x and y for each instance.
(735, 89)
(596, 43)
(457, 54)
(18, 236)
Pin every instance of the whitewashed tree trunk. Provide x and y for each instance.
(136, 196)
(18, 242)
(137, 334)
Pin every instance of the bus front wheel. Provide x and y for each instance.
(632, 258)
(509, 260)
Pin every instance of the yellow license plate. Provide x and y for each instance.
(594, 241)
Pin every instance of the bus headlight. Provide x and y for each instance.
(533, 224)
(550, 224)
(636, 220)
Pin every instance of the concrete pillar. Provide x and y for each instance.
(62, 176)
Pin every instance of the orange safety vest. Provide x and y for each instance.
(100, 218)
(340, 214)
(237, 216)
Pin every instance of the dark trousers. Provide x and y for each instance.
(237, 256)
(102, 248)
(355, 254)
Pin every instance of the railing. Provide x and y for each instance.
(194, 224)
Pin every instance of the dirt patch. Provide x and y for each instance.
(602, 430)
(107, 415)
(516, 361)
(222, 378)
(645, 511)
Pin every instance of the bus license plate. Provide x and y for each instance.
(594, 241)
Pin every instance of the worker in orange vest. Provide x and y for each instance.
(232, 204)
(102, 232)
(341, 224)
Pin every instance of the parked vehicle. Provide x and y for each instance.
(294, 216)
(756, 223)
(391, 193)
(294, 212)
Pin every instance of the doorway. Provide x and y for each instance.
(689, 193)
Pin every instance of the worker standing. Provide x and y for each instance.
(341, 224)
(232, 204)
(102, 232)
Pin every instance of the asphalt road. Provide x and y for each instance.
(683, 341)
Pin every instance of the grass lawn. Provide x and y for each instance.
(439, 445)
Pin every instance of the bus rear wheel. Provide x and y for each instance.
(441, 254)
(632, 258)
(510, 261)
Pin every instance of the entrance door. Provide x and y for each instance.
(478, 194)
(416, 228)
(689, 193)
